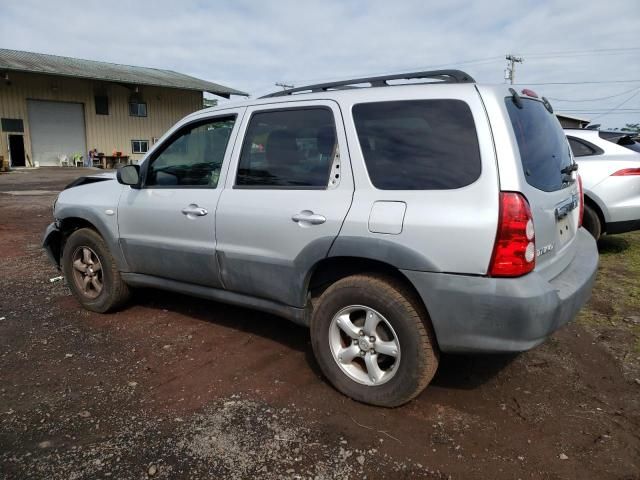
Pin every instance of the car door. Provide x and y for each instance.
(167, 226)
(288, 191)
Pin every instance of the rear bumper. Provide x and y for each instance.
(622, 227)
(494, 315)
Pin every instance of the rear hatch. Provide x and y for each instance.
(551, 185)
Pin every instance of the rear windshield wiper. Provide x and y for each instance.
(570, 168)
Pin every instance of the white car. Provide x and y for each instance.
(609, 165)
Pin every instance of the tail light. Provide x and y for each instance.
(581, 192)
(625, 172)
(514, 253)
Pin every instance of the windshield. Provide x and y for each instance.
(544, 149)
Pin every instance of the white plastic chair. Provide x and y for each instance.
(63, 160)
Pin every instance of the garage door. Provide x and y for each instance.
(57, 128)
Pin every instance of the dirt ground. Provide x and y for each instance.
(175, 387)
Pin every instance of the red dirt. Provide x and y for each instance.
(482, 417)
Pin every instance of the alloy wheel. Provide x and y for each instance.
(364, 345)
(87, 272)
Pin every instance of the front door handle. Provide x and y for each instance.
(194, 210)
(307, 217)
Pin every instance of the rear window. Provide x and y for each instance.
(418, 145)
(544, 149)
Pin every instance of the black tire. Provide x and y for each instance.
(591, 221)
(114, 292)
(409, 320)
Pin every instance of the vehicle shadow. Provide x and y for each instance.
(459, 372)
(466, 372)
(609, 244)
(245, 320)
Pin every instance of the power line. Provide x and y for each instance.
(596, 109)
(476, 61)
(579, 83)
(617, 106)
(594, 112)
(581, 55)
(592, 51)
(599, 114)
(594, 99)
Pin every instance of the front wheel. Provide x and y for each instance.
(91, 272)
(373, 341)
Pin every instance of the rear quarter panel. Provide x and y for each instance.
(443, 230)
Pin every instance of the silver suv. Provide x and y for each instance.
(396, 220)
(610, 169)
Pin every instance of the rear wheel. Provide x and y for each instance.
(591, 221)
(91, 272)
(373, 340)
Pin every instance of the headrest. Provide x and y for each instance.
(281, 148)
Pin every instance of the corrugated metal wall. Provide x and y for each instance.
(165, 106)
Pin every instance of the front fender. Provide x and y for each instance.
(96, 205)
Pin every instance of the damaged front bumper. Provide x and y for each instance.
(52, 243)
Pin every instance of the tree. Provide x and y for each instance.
(631, 127)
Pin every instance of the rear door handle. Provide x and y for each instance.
(194, 210)
(307, 217)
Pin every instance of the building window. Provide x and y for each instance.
(12, 125)
(102, 104)
(137, 109)
(139, 146)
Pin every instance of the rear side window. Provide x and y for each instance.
(419, 144)
(581, 148)
(543, 146)
(288, 149)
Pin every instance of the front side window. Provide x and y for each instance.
(137, 109)
(191, 157)
(139, 146)
(418, 144)
(288, 149)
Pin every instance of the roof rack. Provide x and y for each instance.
(444, 76)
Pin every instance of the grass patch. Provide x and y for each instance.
(613, 313)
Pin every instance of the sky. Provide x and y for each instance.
(250, 45)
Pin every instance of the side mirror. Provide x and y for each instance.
(129, 175)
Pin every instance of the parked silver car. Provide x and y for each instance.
(396, 221)
(610, 169)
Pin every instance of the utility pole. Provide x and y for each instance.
(284, 86)
(510, 71)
